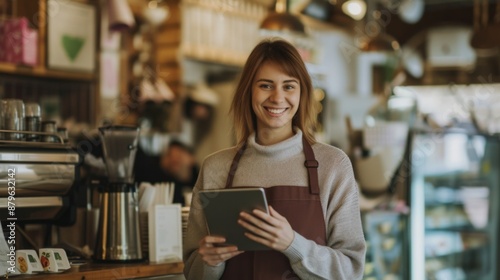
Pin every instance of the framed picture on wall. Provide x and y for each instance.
(71, 35)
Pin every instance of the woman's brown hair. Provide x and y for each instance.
(285, 55)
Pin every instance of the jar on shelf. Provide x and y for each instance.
(49, 127)
(32, 121)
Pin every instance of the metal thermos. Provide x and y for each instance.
(118, 233)
(33, 121)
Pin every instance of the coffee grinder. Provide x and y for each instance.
(118, 233)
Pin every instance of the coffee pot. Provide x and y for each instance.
(118, 233)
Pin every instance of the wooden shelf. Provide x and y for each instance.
(111, 271)
(213, 56)
(41, 72)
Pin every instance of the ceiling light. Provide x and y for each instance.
(381, 42)
(120, 15)
(156, 12)
(356, 9)
(411, 11)
(282, 20)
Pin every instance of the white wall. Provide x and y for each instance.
(337, 73)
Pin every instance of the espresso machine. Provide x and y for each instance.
(118, 234)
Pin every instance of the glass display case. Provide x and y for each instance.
(454, 201)
(385, 251)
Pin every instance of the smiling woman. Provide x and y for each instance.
(275, 101)
(313, 227)
(284, 64)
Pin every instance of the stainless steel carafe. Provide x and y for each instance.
(118, 233)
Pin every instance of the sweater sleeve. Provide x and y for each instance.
(343, 256)
(194, 267)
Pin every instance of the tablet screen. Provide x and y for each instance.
(222, 208)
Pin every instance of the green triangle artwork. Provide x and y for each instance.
(72, 45)
(71, 35)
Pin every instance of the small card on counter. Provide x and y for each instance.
(165, 233)
(54, 259)
(28, 262)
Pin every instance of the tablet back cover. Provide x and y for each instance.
(222, 208)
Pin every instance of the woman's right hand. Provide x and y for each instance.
(212, 254)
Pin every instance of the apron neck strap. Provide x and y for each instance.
(312, 166)
(234, 165)
(310, 163)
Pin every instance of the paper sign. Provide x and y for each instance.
(165, 233)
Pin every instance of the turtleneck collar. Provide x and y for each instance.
(283, 149)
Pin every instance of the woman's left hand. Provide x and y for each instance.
(271, 230)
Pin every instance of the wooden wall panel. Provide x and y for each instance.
(167, 55)
(168, 36)
(174, 17)
(169, 73)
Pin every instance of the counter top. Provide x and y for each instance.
(110, 271)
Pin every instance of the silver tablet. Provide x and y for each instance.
(222, 208)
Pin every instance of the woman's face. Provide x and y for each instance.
(275, 98)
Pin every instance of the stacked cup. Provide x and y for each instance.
(12, 118)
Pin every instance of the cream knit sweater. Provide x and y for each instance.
(283, 164)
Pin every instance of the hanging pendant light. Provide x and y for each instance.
(282, 21)
(356, 9)
(381, 42)
(120, 15)
(156, 12)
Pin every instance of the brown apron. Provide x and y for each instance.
(301, 206)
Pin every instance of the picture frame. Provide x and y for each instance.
(71, 36)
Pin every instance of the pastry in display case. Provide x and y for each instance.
(385, 250)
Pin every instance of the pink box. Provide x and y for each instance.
(20, 43)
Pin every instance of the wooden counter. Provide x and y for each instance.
(103, 271)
